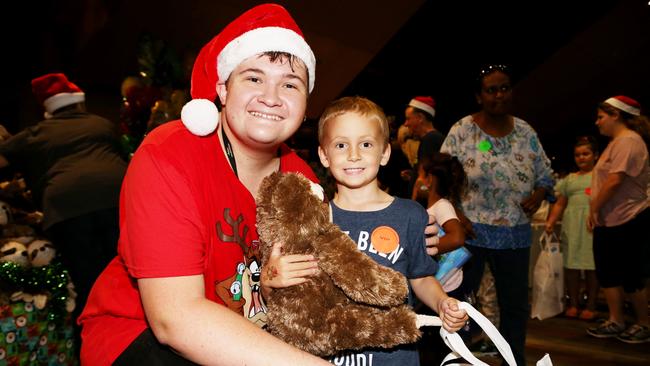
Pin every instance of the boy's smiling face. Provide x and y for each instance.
(264, 101)
(353, 148)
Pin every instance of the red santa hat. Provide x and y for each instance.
(264, 28)
(54, 91)
(626, 104)
(427, 104)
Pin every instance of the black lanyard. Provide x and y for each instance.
(229, 153)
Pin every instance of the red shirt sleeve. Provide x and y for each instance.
(161, 237)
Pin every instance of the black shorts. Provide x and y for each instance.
(146, 350)
(621, 253)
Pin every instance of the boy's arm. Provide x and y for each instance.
(429, 291)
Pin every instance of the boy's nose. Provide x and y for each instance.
(270, 96)
(353, 155)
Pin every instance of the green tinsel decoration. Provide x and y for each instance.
(51, 279)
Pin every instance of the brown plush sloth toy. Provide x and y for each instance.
(353, 302)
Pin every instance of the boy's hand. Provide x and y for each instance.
(287, 270)
(452, 317)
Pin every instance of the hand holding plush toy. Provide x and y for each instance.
(352, 302)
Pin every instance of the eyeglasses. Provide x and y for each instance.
(503, 88)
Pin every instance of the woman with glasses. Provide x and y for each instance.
(509, 176)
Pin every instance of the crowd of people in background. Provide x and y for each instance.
(480, 182)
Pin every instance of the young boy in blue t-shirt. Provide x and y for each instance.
(353, 136)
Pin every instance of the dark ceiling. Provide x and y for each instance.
(566, 55)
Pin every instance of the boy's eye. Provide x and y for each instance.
(339, 145)
(366, 144)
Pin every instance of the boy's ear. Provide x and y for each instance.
(323, 157)
(385, 155)
(222, 93)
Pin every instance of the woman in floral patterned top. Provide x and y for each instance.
(509, 176)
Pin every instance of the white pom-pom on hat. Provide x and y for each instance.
(200, 116)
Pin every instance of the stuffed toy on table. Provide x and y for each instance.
(36, 302)
(353, 302)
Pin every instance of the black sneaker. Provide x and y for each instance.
(607, 329)
(635, 334)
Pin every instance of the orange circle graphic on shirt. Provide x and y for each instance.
(384, 239)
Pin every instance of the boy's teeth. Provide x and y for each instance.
(266, 116)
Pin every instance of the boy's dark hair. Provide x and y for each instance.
(450, 174)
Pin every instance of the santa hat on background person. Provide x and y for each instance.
(426, 104)
(626, 104)
(54, 91)
(264, 28)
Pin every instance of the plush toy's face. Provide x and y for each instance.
(289, 213)
(16, 252)
(41, 252)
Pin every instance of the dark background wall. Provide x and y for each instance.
(566, 55)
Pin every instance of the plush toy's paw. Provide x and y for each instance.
(427, 321)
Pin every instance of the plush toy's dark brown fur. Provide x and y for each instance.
(353, 302)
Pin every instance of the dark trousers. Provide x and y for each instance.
(86, 244)
(510, 270)
(146, 350)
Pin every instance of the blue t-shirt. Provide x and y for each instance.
(408, 219)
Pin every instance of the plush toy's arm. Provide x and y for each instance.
(360, 277)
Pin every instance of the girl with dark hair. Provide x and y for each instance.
(446, 182)
(619, 217)
(572, 205)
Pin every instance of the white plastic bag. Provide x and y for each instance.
(461, 355)
(548, 279)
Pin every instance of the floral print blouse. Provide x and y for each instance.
(501, 172)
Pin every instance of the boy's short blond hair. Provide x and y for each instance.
(360, 105)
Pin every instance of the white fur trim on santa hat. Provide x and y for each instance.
(60, 100)
(423, 106)
(623, 106)
(267, 39)
(200, 116)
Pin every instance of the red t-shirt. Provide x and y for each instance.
(182, 212)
